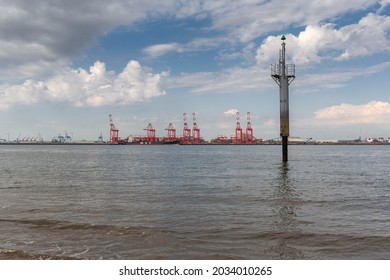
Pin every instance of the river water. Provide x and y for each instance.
(194, 202)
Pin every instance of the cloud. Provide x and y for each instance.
(45, 35)
(236, 79)
(337, 78)
(162, 49)
(325, 41)
(265, 16)
(383, 4)
(81, 88)
(373, 112)
(36, 38)
(230, 112)
(270, 123)
(196, 45)
(258, 79)
(229, 27)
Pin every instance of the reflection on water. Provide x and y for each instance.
(286, 198)
(286, 205)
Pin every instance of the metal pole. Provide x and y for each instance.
(284, 106)
(284, 148)
(283, 75)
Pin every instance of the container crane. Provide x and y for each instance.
(100, 138)
(150, 133)
(171, 132)
(67, 137)
(238, 129)
(248, 130)
(113, 132)
(195, 130)
(186, 131)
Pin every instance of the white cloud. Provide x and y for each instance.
(162, 49)
(236, 79)
(367, 37)
(373, 112)
(196, 45)
(270, 123)
(318, 42)
(265, 16)
(38, 37)
(44, 35)
(337, 78)
(258, 79)
(81, 88)
(383, 4)
(230, 112)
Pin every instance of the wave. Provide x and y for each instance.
(14, 254)
(118, 242)
(61, 240)
(66, 225)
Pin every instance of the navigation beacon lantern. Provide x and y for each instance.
(283, 74)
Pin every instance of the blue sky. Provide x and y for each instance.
(67, 65)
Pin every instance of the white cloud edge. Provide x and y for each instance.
(325, 42)
(234, 79)
(80, 88)
(230, 112)
(317, 42)
(372, 112)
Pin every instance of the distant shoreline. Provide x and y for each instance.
(86, 143)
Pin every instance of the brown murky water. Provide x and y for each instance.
(194, 202)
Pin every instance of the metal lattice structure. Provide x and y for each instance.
(171, 132)
(238, 129)
(186, 139)
(114, 138)
(150, 133)
(195, 130)
(248, 130)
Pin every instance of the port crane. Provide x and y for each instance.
(150, 133)
(195, 130)
(113, 132)
(238, 129)
(171, 132)
(186, 131)
(100, 138)
(67, 137)
(248, 130)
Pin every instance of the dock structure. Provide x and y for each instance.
(283, 74)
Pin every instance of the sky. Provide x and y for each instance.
(67, 65)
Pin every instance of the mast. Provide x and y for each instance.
(283, 74)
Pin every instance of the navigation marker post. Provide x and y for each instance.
(283, 74)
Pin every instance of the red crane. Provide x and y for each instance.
(171, 132)
(113, 132)
(186, 131)
(249, 129)
(195, 130)
(238, 129)
(150, 133)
